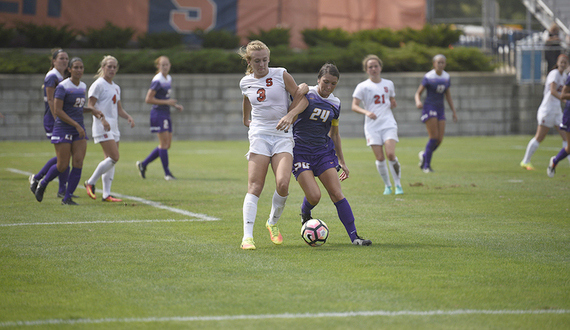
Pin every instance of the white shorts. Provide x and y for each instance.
(269, 145)
(106, 137)
(549, 119)
(380, 137)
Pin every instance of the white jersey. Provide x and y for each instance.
(551, 104)
(269, 102)
(375, 97)
(107, 95)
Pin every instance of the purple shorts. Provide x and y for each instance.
(160, 121)
(431, 112)
(66, 135)
(48, 125)
(565, 124)
(318, 163)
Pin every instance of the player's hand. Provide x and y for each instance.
(419, 105)
(285, 122)
(81, 132)
(455, 119)
(131, 121)
(371, 115)
(179, 107)
(303, 88)
(106, 125)
(343, 175)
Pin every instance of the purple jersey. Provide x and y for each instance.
(73, 101)
(52, 79)
(565, 125)
(311, 129)
(436, 85)
(161, 85)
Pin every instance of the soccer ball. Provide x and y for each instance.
(315, 232)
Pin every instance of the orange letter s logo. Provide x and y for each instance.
(193, 14)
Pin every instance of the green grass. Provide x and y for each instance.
(478, 234)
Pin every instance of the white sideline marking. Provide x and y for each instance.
(203, 217)
(281, 316)
(91, 222)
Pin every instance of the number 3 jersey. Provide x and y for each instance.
(73, 97)
(436, 85)
(269, 101)
(311, 129)
(375, 97)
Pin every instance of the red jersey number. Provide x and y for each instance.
(261, 94)
(379, 99)
(115, 99)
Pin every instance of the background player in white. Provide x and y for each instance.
(550, 110)
(57, 72)
(375, 98)
(160, 123)
(265, 101)
(105, 95)
(68, 136)
(437, 83)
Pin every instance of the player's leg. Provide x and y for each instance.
(312, 192)
(257, 167)
(564, 139)
(394, 164)
(560, 156)
(78, 150)
(111, 150)
(63, 152)
(382, 167)
(35, 178)
(432, 126)
(165, 139)
(281, 164)
(532, 146)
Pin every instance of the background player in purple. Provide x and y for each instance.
(68, 135)
(437, 83)
(159, 96)
(318, 151)
(564, 126)
(56, 73)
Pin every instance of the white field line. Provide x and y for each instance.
(282, 316)
(203, 217)
(92, 222)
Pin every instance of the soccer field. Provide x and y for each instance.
(478, 244)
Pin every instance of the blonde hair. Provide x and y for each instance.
(157, 61)
(104, 62)
(245, 52)
(368, 58)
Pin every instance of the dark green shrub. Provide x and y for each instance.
(218, 39)
(440, 35)
(160, 40)
(386, 37)
(337, 37)
(6, 35)
(273, 37)
(110, 36)
(46, 36)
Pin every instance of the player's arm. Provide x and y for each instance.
(58, 107)
(392, 102)
(151, 99)
(450, 102)
(554, 91)
(298, 105)
(91, 104)
(246, 111)
(334, 133)
(50, 92)
(123, 114)
(418, 96)
(565, 94)
(358, 109)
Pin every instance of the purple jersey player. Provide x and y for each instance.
(68, 132)
(59, 62)
(565, 127)
(318, 151)
(437, 83)
(159, 96)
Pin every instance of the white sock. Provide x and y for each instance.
(103, 167)
(530, 149)
(107, 179)
(396, 171)
(249, 213)
(277, 207)
(383, 171)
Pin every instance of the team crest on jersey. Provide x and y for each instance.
(105, 136)
(385, 89)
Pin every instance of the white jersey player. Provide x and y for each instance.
(375, 98)
(265, 101)
(549, 112)
(105, 96)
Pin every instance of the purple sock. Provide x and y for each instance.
(152, 156)
(306, 207)
(561, 155)
(72, 182)
(63, 181)
(163, 153)
(51, 174)
(346, 217)
(430, 147)
(46, 168)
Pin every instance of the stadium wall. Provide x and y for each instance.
(487, 104)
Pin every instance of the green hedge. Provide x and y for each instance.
(409, 57)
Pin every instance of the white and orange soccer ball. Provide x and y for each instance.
(315, 232)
